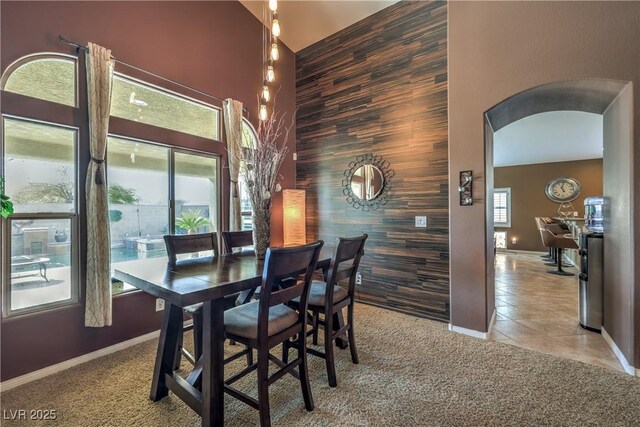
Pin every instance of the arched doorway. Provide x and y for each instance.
(613, 101)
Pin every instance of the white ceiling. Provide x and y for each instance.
(555, 136)
(303, 23)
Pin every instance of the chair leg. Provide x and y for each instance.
(249, 356)
(352, 338)
(328, 350)
(285, 351)
(263, 387)
(314, 325)
(304, 372)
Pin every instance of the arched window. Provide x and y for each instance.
(40, 168)
(48, 76)
(249, 134)
(249, 140)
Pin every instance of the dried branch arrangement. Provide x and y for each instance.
(260, 166)
(262, 163)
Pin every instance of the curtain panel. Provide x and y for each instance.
(232, 111)
(98, 289)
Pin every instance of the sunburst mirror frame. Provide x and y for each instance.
(383, 196)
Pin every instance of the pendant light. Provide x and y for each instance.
(275, 25)
(265, 91)
(271, 75)
(262, 115)
(273, 5)
(275, 55)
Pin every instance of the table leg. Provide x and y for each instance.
(213, 363)
(170, 330)
(338, 322)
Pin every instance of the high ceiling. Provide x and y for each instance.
(554, 136)
(306, 22)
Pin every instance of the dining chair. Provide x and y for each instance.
(330, 300)
(190, 244)
(263, 324)
(236, 240)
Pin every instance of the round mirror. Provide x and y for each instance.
(367, 182)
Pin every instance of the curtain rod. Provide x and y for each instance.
(85, 48)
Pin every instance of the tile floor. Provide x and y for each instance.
(539, 311)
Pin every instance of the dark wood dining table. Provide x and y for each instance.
(207, 281)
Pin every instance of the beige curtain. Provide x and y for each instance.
(233, 129)
(98, 291)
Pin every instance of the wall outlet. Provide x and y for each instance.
(159, 304)
(295, 156)
(421, 222)
(358, 279)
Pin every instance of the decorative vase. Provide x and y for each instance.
(261, 231)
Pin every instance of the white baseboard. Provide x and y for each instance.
(628, 368)
(53, 369)
(492, 321)
(470, 332)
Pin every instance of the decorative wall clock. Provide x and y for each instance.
(561, 190)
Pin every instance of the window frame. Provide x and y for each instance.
(73, 218)
(8, 71)
(507, 191)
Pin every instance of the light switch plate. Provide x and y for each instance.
(159, 304)
(421, 222)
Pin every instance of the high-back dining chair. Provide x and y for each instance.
(328, 298)
(267, 322)
(190, 244)
(236, 239)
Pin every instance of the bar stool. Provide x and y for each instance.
(559, 242)
(539, 225)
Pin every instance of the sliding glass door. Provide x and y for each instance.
(156, 190)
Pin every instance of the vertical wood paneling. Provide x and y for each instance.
(380, 86)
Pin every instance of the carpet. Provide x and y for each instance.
(412, 372)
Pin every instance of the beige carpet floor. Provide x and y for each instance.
(412, 372)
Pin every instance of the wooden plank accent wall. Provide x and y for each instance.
(380, 86)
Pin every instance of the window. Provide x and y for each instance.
(41, 236)
(153, 189)
(502, 207)
(249, 140)
(156, 190)
(51, 77)
(141, 102)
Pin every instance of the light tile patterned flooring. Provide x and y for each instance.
(539, 311)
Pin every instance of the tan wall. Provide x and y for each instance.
(618, 254)
(528, 199)
(499, 49)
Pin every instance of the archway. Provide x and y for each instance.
(614, 101)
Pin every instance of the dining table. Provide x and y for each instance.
(208, 281)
